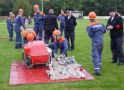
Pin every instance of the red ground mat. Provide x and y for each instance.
(19, 74)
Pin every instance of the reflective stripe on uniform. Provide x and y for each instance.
(96, 68)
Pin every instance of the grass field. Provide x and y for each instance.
(112, 77)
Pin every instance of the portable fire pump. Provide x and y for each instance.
(35, 51)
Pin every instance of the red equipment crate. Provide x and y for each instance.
(37, 51)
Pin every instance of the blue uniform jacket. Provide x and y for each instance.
(19, 22)
(61, 18)
(39, 19)
(9, 23)
(95, 31)
(62, 45)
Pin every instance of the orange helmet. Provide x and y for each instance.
(92, 15)
(26, 32)
(30, 37)
(56, 32)
(36, 6)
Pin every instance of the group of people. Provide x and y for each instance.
(96, 30)
(11, 22)
(46, 28)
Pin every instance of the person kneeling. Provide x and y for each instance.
(59, 42)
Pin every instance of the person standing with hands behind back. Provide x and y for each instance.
(115, 25)
(50, 24)
(70, 23)
(10, 25)
(61, 18)
(18, 23)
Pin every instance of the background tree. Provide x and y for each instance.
(5, 7)
(99, 6)
(24, 4)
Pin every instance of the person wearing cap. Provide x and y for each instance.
(50, 24)
(38, 22)
(28, 34)
(115, 26)
(10, 25)
(18, 23)
(61, 18)
(95, 32)
(59, 42)
(70, 23)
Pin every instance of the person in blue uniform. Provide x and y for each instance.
(59, 42)
(18, 23)
(95, 31)
(38, 22)
(61, 18)
(70, 23)
(10, 26)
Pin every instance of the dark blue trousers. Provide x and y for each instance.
(62, 27)
(52, 46)
(97, 55)
(70, 36)
(10, 31)
(18, 40)
(38, 30)
(117, 50)
(48, 36)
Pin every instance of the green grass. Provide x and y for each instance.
(112, 77)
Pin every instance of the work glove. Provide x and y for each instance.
(46, 45)
(55, 56)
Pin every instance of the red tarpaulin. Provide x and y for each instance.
(20, 74)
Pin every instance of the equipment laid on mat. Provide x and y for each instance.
(20, 75)
(61, 67)
(64, 68)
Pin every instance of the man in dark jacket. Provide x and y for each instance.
(70, 23)
(115, 25)
(50, 24)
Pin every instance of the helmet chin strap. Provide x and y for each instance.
(56, 38)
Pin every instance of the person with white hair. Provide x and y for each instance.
(50, 24)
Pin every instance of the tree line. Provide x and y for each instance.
(99, 6)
